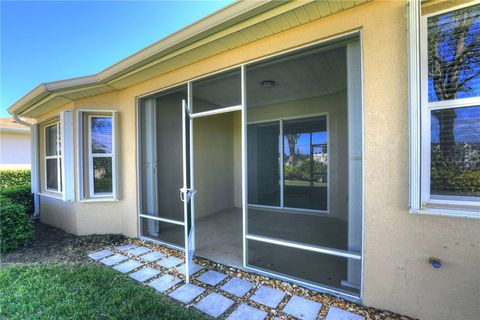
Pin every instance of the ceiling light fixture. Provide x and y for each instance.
(268, 83)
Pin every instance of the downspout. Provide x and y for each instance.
(19, 120)
(36, 199)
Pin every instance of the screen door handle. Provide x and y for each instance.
(188, 192)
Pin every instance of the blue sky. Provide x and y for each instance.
(44, 41)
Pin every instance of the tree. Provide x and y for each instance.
(292, 142)
(454, 60)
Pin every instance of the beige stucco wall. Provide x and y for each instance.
(237, 159)
(58, 213)
(397, 244)
(14, 150)
(213, 147)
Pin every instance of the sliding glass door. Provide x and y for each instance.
(288, 163)
(263, 163)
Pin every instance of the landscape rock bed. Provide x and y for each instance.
(290, 289)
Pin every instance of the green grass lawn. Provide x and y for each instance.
(304, 183)
(81, 292)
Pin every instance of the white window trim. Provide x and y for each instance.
(81, 135)
(58, 156)
(419, 117)
(281, 151)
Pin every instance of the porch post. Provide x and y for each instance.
(244, 163)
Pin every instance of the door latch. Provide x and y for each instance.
(188, 192)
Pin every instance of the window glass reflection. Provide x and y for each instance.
(305, 163)
(264, 164)
(101, 134)
(454, 55)
(102, 175)
(455, 152)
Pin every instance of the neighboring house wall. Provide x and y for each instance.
(397, 244)
(14, 150)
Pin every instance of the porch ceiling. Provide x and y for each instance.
(238, 24)
(316, 74)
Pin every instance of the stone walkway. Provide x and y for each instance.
(220, 292)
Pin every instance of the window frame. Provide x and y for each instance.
(85, 165)
(281, 181)
(57, 156)
(420, 123)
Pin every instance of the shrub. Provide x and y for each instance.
(16, 228)
(301, 171)
(12, 178)
(19, 195)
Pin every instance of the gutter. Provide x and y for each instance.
(23, 122)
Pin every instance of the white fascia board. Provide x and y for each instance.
(224, 18)
(45, 89)
(36, 94)
(71, 83)
(203, 27)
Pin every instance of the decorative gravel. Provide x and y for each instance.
(291, 290)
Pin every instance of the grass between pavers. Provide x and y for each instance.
(81, 292)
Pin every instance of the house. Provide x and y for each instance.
(15, 147)
(206, 141)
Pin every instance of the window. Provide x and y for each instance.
(97, 155)
(449, 117)
(300, 180)
(53, 161)
(100, 155)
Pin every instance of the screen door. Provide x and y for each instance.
(187, 192)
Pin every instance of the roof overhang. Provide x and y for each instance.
(162, 56)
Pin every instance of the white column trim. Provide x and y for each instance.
(68, 165)
(414, 107)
